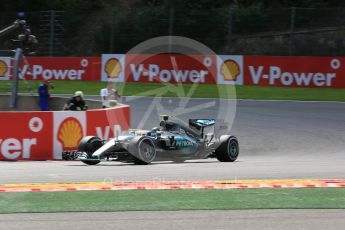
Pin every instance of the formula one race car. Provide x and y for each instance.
(171, 141)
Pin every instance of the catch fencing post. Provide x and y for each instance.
(18, 55)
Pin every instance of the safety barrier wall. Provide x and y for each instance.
(45, 135)
(288, 71)
(30, 103)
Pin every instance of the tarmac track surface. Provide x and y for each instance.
(278, 140)
(236, 219)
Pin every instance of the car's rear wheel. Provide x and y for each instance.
(88, 146)
(146, 152)
(228, 150)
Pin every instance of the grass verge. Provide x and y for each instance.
(194, 91)
(166, 200)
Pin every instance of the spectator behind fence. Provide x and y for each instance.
(109, 96)
(43, 93)
(76, 103)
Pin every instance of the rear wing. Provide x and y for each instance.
(199, 123)
(217, 127)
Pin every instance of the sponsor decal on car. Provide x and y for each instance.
(183, 143)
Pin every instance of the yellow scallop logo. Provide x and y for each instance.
(70, 133)
(113, 68)
(3, 68)
(230, 70)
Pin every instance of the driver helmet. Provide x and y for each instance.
(162, 124)
(155, 129)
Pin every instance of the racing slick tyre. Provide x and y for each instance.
(89, 145)
(228, 150)
(146, 152)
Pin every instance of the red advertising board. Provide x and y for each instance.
(108, 123)
(45, 135)
(26, 136)
(325, 72)
(61, 68)
(164, 68)
(71, 126)
(293, 71)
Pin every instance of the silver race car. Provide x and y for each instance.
(172, 141)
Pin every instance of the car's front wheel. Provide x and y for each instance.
(88, 146)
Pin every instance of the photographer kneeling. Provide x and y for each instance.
(76, 103)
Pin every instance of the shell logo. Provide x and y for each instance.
(70, 133)
(230, 70)
(113, 68)
(3, 68)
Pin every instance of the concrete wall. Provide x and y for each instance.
(30, 103)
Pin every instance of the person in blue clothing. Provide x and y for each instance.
(43, 93)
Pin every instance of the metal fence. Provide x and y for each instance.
(256, 31)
